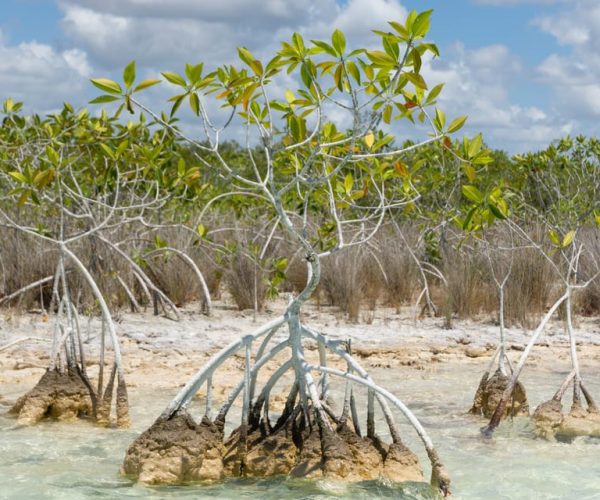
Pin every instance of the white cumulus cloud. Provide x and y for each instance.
(42, 76)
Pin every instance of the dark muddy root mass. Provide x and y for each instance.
(61, 396)
(489, 393)
(176, 451)
(180, 451)
(317, 451)
(551, 423)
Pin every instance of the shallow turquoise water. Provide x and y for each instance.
(61, 461)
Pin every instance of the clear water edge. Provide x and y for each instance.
(70, 461)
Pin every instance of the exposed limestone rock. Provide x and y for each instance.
(176, 451)
(489, 393)
(61, 396)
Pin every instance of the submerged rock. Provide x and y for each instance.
(490, 392)
(550, 422)
(62, 396)
(176, 451)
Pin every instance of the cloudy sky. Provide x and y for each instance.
(525, 71)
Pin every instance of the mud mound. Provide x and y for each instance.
(315, 453)
(176, 451)
(547, 418)
(352, 458)
(489, 393)
(61, 396)
(550, 422)
(580, 423)
(401, 464)
(267, 454)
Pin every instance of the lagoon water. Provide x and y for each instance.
(65, 461)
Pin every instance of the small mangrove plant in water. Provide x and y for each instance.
(564, 205)
(305, 171)
(74, 181)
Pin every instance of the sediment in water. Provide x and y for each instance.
(61, 396)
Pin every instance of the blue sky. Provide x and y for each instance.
(525, 71)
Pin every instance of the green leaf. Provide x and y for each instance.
(390, 45)
(387, 114)
(177, 102)
(129, 74)
(122, 147)
(193, 72)
(435, 91)
(348, 183)
(107, 85)
(337, 78)
(568, 239)
(146, 83)
(353, 70)
(323, 46)
(421, 24)
(496, 211)
(18, 176)
(108, 151)
(104, 99)
(281, 264)
(23, 198)
(457, 124)
(440, 119)
(475, 146)
(257, 67)
(52, 155)
(470, 172)
(417, 80)
(399, 28)
(201, 230)
(472, 193)
(380, 58)
(159, 242)
(174, 78)
(195, 103)
(467, 222)
(554, 237)
(339, 42)
(8, 105)
(246, 55)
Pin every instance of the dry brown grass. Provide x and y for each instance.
(356, 280)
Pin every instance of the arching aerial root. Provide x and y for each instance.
(490, 392)
(61, 396)
(310, 439)
(551, 423)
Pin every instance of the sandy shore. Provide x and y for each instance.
(162, 354)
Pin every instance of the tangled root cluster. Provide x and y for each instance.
(61, 396)
(490, 392)
(179, 450)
